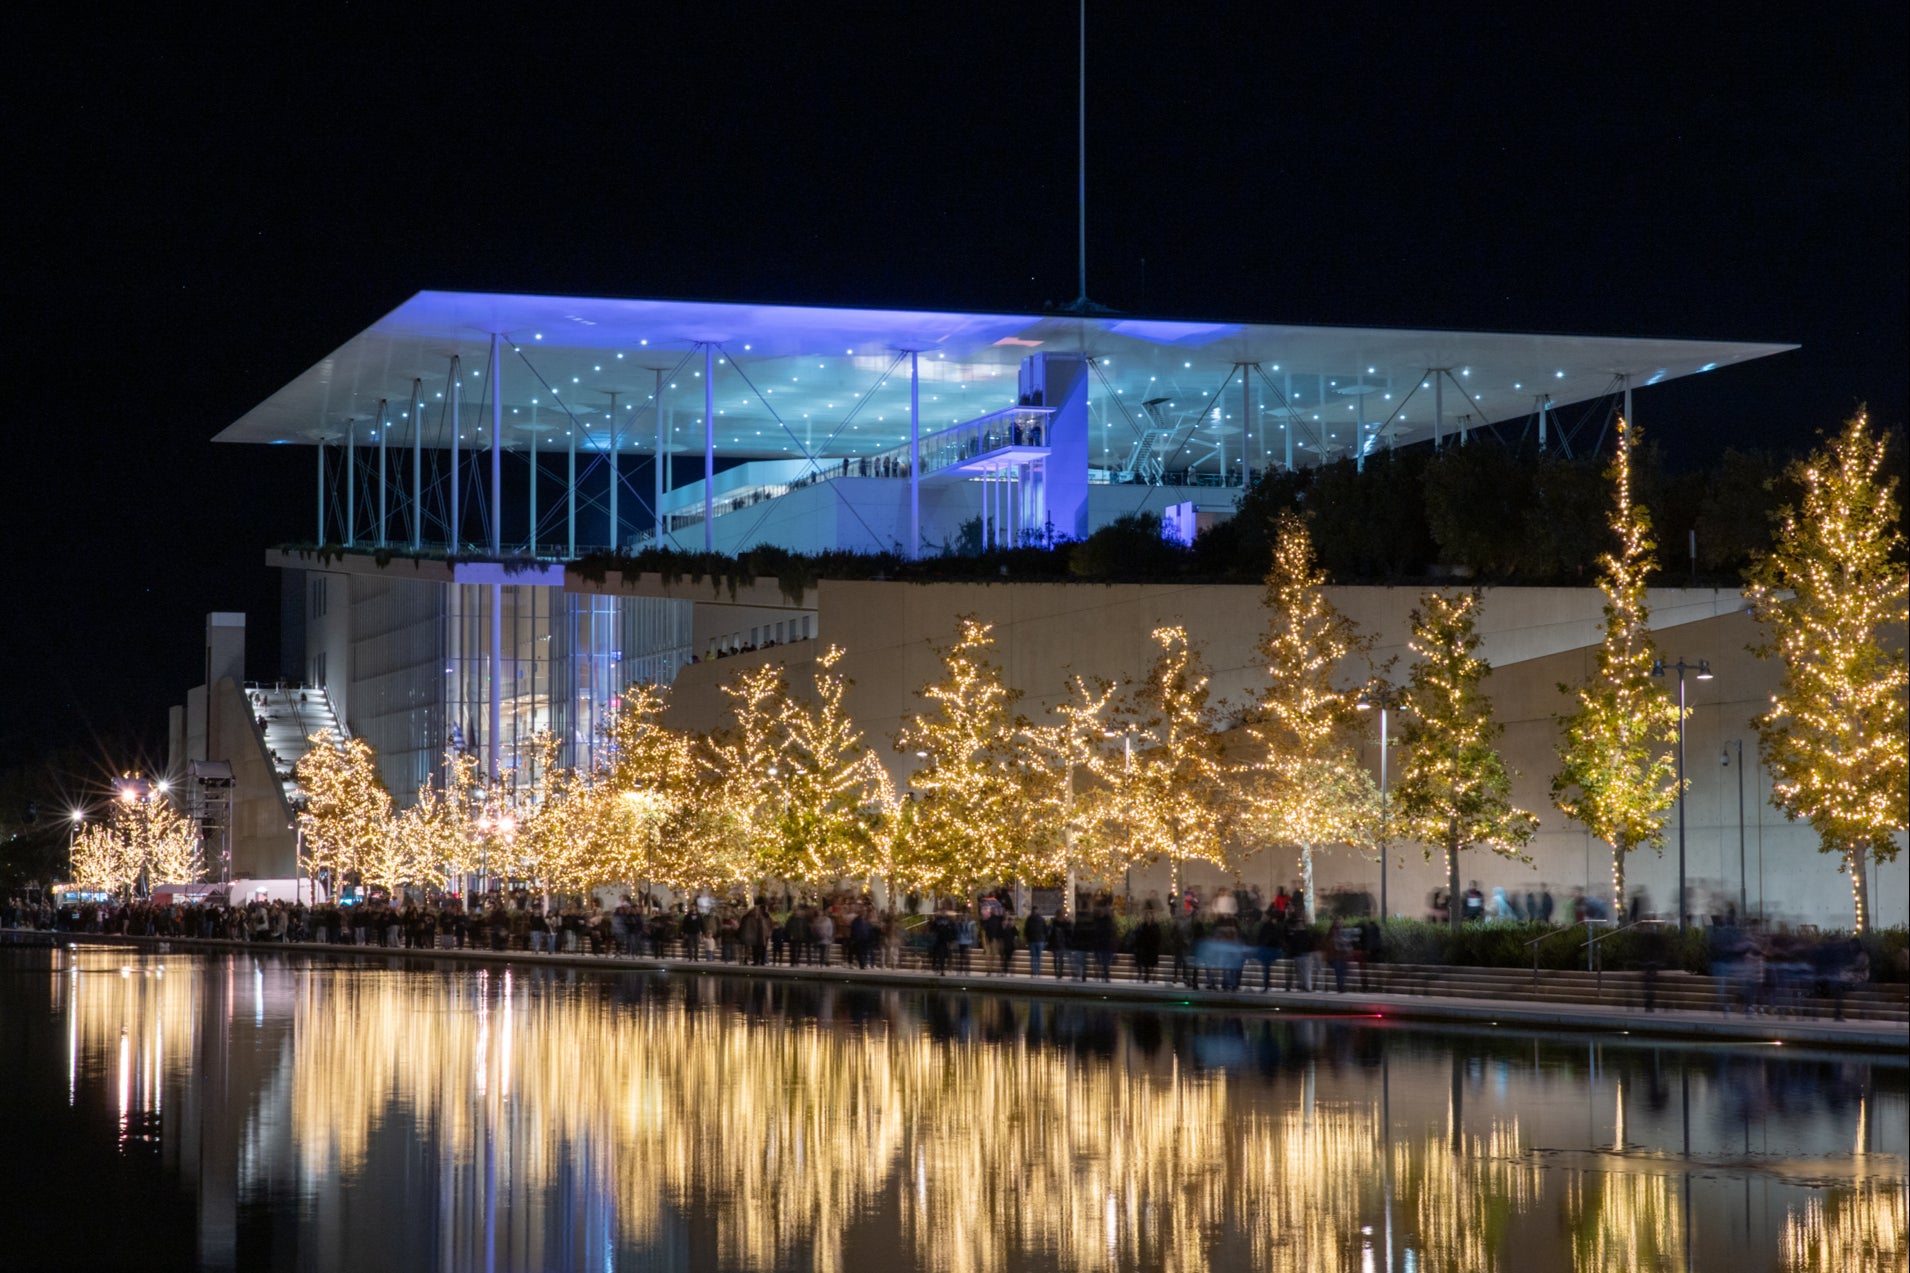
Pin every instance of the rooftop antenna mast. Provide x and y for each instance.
(1081, 160)
(1082, 305)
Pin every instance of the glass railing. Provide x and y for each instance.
(1011, 427)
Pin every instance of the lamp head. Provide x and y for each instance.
(1704, 669)
(1364, 703)
(1657, 667)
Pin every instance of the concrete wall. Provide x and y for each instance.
(1536, 639)
(263, 844)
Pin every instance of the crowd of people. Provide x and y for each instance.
(1233, 940)
(1214, 944)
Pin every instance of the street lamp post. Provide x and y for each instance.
(1702, 669)
(1743, 892)
(1384, 699)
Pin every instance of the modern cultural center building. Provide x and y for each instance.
(466, 446)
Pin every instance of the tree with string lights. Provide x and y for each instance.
(1178, 796)
(102, 860)
(1307, 787)
(1831, 596)
(1454, 791)
(670, 828)
(1074, 782)
(962, 828)
(831, 793)
(347, 814)
(745, 764)
(1616, 776)
(143, 837)
(166, 844)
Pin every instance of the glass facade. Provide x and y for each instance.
(420, 677)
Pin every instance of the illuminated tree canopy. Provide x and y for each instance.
(1831, 596)
(1616, 777)
(1307, 788)
(1454, 791)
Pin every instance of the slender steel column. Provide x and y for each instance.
(1439, 403)
(532, 536)
(384, 427)
(709, 447)
(570, 497)
(455, 540)
(660, 458)
(321, 492)
(915, 456)
(1246, 429)
(1627, 380)
(417, 465)
(1293, 420)
(497, 446)
(496, 662)
(351, 483)
(616, 478)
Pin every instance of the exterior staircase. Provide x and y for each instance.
(287, 716)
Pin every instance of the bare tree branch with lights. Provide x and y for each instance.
(1616, 775)
(1831, 596)
(1308, 789)
(1454, 791)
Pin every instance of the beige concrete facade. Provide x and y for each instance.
(1535, 638)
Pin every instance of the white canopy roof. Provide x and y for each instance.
(835, 382)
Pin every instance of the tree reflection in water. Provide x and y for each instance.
(552, 1116)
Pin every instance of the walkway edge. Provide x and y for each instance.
(1588, 1019)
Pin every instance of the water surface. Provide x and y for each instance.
(283, 1111)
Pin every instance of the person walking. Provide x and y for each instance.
(1035, 933)
(1147, 942)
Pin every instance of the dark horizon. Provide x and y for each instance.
(210, 207)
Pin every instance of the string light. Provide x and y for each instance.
(1828, 595)
(1616, 776)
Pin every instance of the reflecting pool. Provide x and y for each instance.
(274, 1111)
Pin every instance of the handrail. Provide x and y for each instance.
(1598, 965)
(1534, 944)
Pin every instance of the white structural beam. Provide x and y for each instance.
(384, 427)
(497, 446)
(351, 483)
(915, 455)
(416, 417)
(659, 457)
(616, 474)
(452, 539)
(709, 446)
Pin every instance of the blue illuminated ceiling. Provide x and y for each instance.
(835, 382)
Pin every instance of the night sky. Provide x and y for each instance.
(202, 207)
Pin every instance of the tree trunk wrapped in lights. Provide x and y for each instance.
(1308, 789)
(1454, 791)
(1616, 775)
(964, 820)
(1831, 596)
(1179, 799)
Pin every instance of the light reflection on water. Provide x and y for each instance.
(445, 1117)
